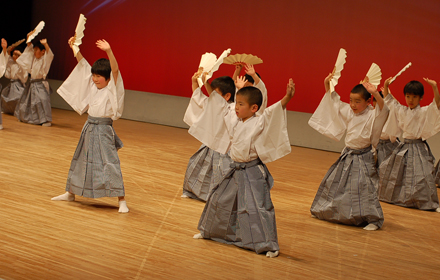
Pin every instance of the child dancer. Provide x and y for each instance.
(3, 59)
(34, 105)
(18, 77)
(348, 192)
(239, 210)
(95, 170)
(408, 178)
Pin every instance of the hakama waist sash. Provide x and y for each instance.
(103, 121)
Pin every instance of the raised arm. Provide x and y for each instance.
(386, 86)
(45, 44)
(290, 91)
(79, 56)
(327, 82)
(251, 72)
(195, 84)
(435, 89)
(237, 71)
(105, 46)
(373, 90)
(4, 46)
(240, 82)
(27, 38)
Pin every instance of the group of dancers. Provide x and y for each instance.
(239, 136)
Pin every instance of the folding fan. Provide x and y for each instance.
(243, 59)
(37, 30)
(79, 33)
(339, 65)
(374, 75)
(400, 72)
(210, 63)
(17, 43)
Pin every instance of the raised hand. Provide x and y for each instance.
(249, 69)
(327, 81)
(43, 41)
(240, 82)
(71, 41)
(290, 91)
(387, 82)
(4, 44)
(431, 82)
(370, 87)
(103, 45)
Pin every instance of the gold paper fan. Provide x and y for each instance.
(400, 72)
(339, 65)
(37, 30)
(374, 75)
(243, 59)
(210, 63)
(79, 33)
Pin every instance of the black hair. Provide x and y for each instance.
(102, 67)
(250, 79)
(39, 45)
(360, 89)
(253, 95)
(380, 93)
(414, 87)
(226, 85)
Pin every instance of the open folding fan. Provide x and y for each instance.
(243, 59)
(210, 63)
(37, 30)
(339, 65)
(400, 72)
(13, 46)
(79, 33)
(374, 75)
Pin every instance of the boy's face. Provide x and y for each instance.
(242, 108)
(100, 81)
(357, 103)
(412, 100)
(15, 55)
(38, 53)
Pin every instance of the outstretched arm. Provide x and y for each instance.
(327, 82)
(4, 46)
(195, 84)
(435, 89)
(105, 46)
(251, 72)
(290, 91)
(373, 90)
(45, 44)
(79, 56)
(237, 71)
(386, 85)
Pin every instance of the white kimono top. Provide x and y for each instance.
(3, 60)
(81, 93)
(333, 117)
(418, 123)
(198, 102)
(14, 71)
(261, 136)
(38, 68)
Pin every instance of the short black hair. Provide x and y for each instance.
(414, 87)
(360, 89)
(102, 67)
(39, 45)
(253, 95)
(225, 84)
(250, 79)
(380, 93)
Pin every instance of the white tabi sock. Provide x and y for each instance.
(67, 196)
(270, 254)
(437, 210)
(123, 206)
(371, 227)
(198, 236)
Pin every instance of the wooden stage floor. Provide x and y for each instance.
(89, 239)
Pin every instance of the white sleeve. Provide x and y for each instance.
(262, 87)
(195, 107)
(273, 142)
(26, 58)
(397, 112)
(117, 94)
(380, 119)
(76, 88)
(211, 128)
(432, 121)
(3, 61)
(47, 58)
(331, 116)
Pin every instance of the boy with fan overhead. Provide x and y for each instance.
(348, 192)
(34, 105)
(407, 177)
(95, 169)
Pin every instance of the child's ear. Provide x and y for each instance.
(254, 108)
(227, 96)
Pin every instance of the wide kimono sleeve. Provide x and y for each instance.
(380, 118)
(211, 128)
(116, 96)
(195, 107)
(77, 87)
(26, 58)
(3, 62)
(431, 126)
(273, 141)
(47, 61)
(331, 116)
(262, 87)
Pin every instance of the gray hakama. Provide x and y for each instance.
(239, 210)
(206, 168)
(407, 176)
(348, 192)
(34, 105)
(437, 174)
(384, 150)
(95, 169)
(10, 96)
